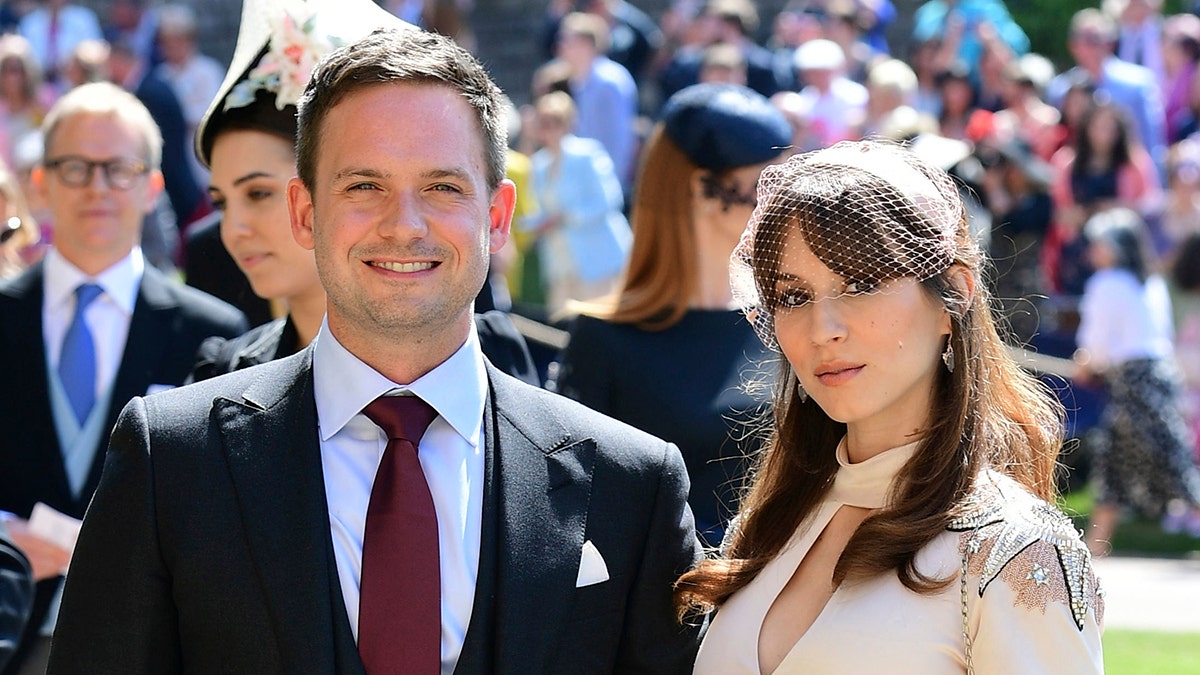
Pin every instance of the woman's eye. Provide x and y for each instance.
(794, 297)
(259, 195)
(218, 204)
(860, 287)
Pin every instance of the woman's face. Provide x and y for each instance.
(250, 172)
(12, 76)
(1102, 131)
(549, 130)
(868, 357)
(956, 96)
(1074, 106)
(1101, 254)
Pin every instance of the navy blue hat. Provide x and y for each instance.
(725, 126)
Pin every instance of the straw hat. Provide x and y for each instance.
(279, 42)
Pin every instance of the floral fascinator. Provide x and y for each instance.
(279, 42)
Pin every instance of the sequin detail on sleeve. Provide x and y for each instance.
(1030, 545)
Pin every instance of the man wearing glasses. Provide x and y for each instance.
(87, 329)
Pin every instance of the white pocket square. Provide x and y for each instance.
(592, 569)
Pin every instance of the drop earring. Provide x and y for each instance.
(800, 392)
(948, 355)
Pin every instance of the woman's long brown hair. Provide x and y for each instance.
(986, 413)
(661, 276)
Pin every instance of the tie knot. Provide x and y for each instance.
(85, 294)
(401, 417)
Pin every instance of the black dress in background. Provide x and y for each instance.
(685, 384)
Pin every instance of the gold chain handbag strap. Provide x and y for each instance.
(971, 546)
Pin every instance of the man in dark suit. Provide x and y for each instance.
(241, 523)
(92, 300)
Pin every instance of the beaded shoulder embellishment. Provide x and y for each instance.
(1033, 547)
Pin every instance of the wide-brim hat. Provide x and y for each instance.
(313, 28)
(725, 126)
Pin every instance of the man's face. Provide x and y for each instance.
(96, 224)
(401, 217)
(1088, 47)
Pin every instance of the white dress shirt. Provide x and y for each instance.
(451, 454)
(107, 317)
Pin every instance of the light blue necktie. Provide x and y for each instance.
(77, 361)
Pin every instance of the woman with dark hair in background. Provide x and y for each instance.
(668, 353)
(247, 140)
(901, 516)
(1144, 451)
(1105, 167)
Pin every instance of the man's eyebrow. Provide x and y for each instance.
(460, 174)
(364, 172)
(358, 172)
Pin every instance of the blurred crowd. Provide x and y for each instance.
(1038, 153)
(48, 48)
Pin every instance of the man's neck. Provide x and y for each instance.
(93, 264)
(401, 356)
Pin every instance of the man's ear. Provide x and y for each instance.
(300, 211)
(154, 187)
(500, 214)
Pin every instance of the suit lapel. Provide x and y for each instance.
(26, 354)
(273, 453)
(478, 651)
(544, 480)
(145, 348)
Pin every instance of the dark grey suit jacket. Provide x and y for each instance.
(207, 547)
(168, 324)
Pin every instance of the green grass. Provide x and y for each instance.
(1131, 652)
(1133, 536)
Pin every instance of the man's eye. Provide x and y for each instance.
(446, 187)
(362, 186)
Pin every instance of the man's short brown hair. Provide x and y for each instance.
(408, 56)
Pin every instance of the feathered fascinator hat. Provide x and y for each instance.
(279, 42)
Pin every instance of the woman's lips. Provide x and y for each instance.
(250, 261)
(833, 376)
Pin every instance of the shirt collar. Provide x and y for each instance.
(344, 385)
(120, 281)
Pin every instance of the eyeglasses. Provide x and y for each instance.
(76, 172)
(1089, 39)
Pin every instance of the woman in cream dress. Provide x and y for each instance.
(899, 520)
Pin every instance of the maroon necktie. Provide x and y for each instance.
(400, 609)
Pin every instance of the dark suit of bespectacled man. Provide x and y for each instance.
(228, 531)
(100, 177)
